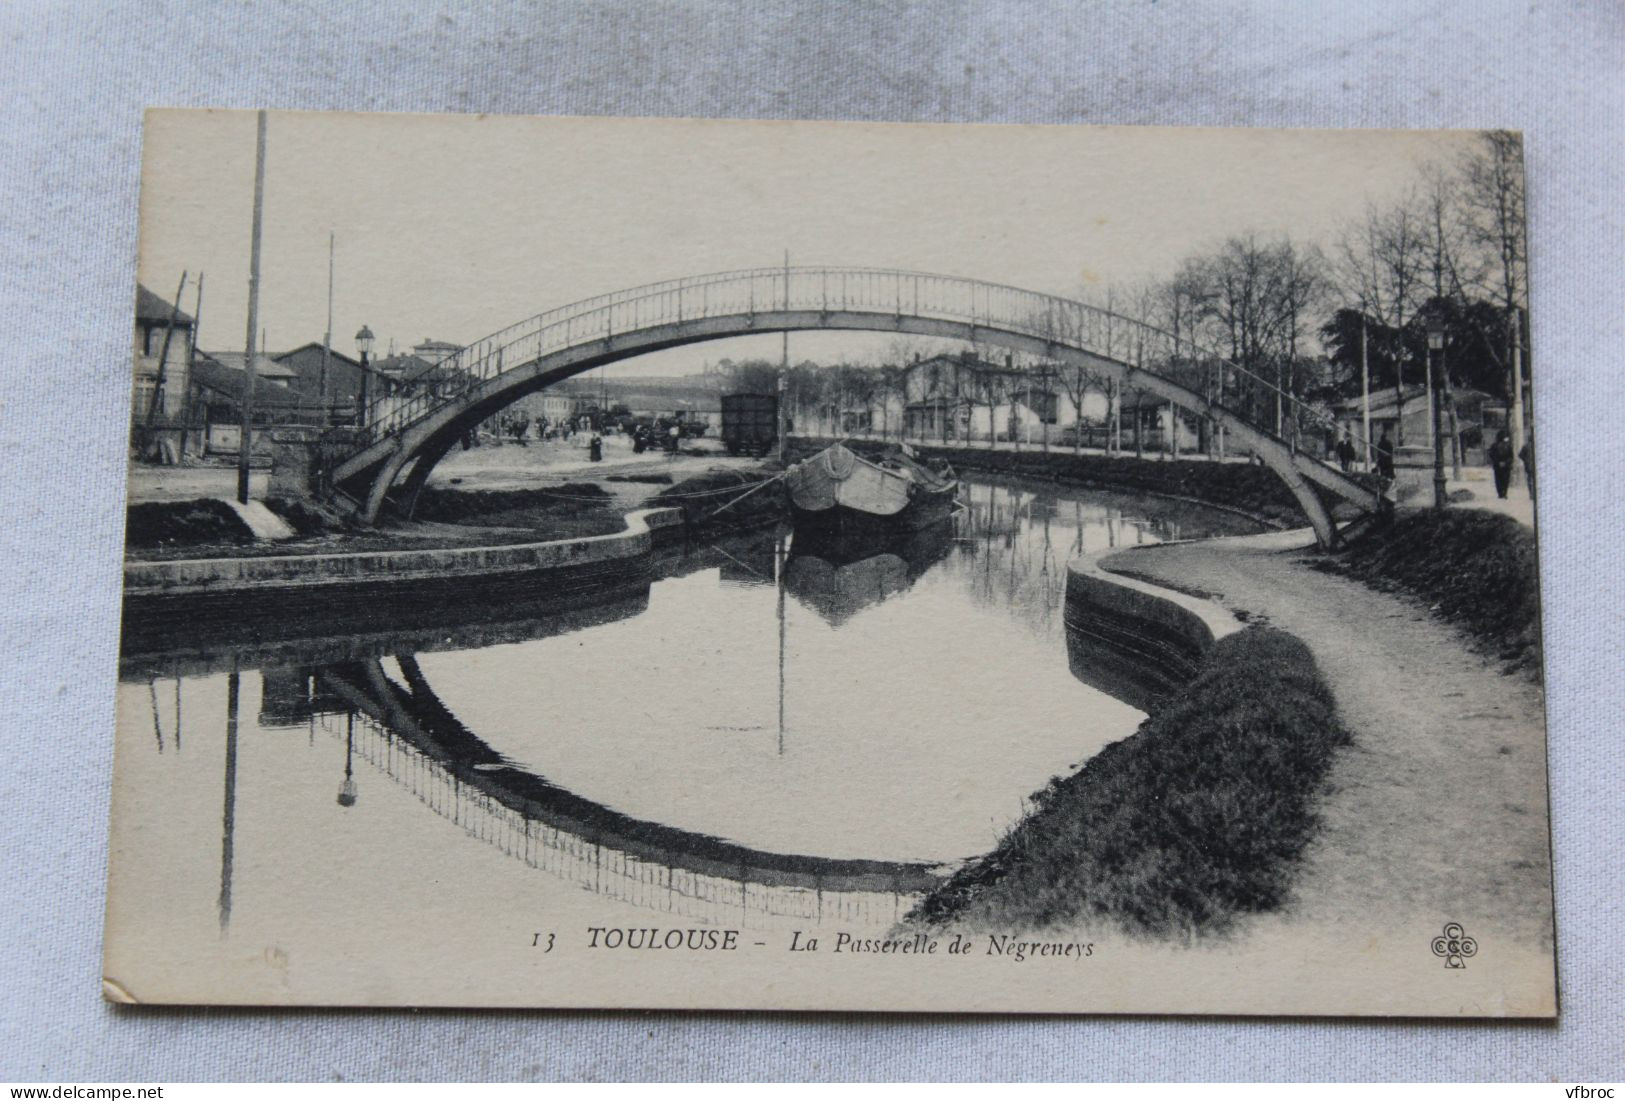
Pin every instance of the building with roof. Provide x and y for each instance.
(267, 368)
(1409, 421)
(435, 351)
(559, 402)
(162, 355)
(219, 384)
(344, 380)
(966, 397)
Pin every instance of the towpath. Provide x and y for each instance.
(1438, 810)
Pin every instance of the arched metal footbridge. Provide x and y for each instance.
(404, 439)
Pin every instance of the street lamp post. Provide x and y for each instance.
(1435, 328)
(363, 343)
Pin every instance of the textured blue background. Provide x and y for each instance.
(75, 80)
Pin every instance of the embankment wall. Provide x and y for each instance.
(1134, 640)
(644, 529)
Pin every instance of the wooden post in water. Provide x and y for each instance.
(779, 581)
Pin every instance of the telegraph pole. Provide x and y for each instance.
(245, 441)
(1365, 395)
(191, 360)
(784, 361)
(1518, 439)
(325, 412)
(157, 401)
(1436, 335)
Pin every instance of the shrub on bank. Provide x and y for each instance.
(1196, 818)
(1474, 567)
(203, 522)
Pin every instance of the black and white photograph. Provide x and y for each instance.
(696, 564)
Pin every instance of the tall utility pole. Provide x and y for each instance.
(156, 403)
(191, 361)
(1518, 439)
(1365, 395)
(245, 441)
(784, 362)
(1436, 336)
(324, 411)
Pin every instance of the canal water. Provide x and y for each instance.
(775, 729)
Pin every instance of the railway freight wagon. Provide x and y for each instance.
(750, 423)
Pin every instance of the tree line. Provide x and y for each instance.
(1301, 323)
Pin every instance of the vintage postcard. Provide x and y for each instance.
(695, 564)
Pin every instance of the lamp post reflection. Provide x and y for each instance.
(347, 788)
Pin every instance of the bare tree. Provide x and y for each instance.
(890, 381)
(1494, 204)
(1454, 264)
(1303, 282)
(988, 387)
(1390, 255)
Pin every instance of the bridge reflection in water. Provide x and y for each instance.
(752, 893)
(362, 685)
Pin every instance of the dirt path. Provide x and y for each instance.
(1438, 812)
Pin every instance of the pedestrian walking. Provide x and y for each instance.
(1501, 462)
(595, 448)
(1527, 454)
(1385, 456)
(1345, 452)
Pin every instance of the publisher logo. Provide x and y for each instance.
(1455, 946)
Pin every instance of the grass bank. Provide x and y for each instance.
(164, 525)
(209, 528)
(1248, 488)
(1192, 821)
(569, 511)
(1475, 568)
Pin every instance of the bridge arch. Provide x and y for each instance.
(557, 345)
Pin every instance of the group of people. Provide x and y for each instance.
(1500, 455)
(646, 436)
(517, 426)
(1382, 452)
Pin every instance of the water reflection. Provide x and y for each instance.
(839, 577)
(228, 817)
(769, 730)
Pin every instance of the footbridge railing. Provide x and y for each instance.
(772, 299)
(829, 290)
